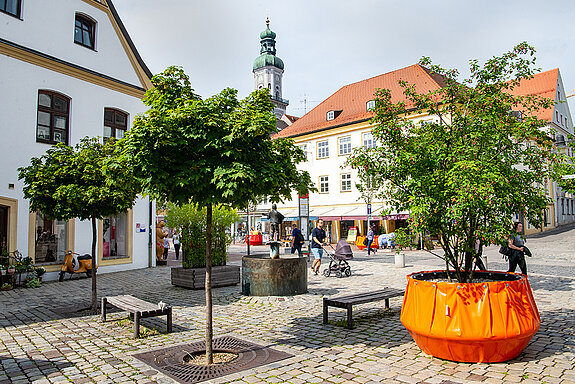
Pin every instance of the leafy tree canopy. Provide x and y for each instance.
(88, 181)
(464, 173)
(213, 151)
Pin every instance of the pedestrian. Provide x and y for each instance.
(370, 237)
(317, 241)
(177, 243)
(517, 246)
(296, 240)
(166, 247)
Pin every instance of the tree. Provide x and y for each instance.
(213, 151)
(464, 174)
(566, 168)
(89, 182)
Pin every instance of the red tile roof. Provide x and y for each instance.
(352, 99)
(543, 84)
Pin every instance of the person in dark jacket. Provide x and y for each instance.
(296, 240)
(517, 246)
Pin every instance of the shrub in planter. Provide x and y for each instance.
(478, 160)
(192, 223)
(6, 287)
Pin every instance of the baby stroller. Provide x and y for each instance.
(337, 261)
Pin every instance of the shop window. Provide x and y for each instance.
(322, 149)
(53, 118)
(345, 145)
(368, 140)
(346, 182)
(115, 123)
(51, 237)
(324, 184)
(11, 7)
(84, 31)
(115, 236)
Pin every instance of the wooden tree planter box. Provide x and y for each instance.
(195, 278)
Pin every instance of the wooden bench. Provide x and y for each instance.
(348, 301)
(138, 308)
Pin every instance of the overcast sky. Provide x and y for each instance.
(328, 44)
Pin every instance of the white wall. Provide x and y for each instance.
(50, 29)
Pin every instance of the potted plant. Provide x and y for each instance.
(458, 176)
(6, 287)
(39, 272)
(192, 222)
(11, 269)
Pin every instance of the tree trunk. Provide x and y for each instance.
(94, 269)
(209, 330)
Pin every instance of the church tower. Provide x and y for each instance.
(268, 70)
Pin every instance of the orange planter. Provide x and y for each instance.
(359, 243)
(475, 322)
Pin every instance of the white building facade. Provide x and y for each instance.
(69, 70)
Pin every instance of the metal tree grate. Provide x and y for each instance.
(170, 361)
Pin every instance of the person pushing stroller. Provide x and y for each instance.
(317, 242)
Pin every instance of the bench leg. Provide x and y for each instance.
(136, 325)
(169, 320)
(104, 301)
(324, 312)
(387, 303)
(349, 317)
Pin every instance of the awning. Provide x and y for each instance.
(289, 214)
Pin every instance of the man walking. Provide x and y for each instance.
(296, 240)
(317, 241)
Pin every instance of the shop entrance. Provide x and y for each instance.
(3, 228)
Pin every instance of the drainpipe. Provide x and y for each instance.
(150, 253)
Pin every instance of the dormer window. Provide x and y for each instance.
(11, 7)
(84, 31)
(331, 115)
(370, 105)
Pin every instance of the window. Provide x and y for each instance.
(562, 206)
(324, 184)
(572, 206)
(330, 115)
(115, 236)
(557, 116)
(370, 105)
(51, 237)
(11, 7)
(346, 182)
(84, 31)
(322, 149)
(115, 123)
(53, 112)
(345, 145)
(368, 140)
(303, 147)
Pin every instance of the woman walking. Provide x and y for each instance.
(177, 243)
(517, 247)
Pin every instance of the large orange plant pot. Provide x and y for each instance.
(489, 321)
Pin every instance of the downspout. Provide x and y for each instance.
(150, 254)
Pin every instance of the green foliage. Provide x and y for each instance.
(33, 282)
(6, 287)
(191, 220)
(213, 151)
(87, 182)
(463, 175)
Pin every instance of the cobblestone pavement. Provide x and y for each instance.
(44, 339)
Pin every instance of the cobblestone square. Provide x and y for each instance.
(44, 340)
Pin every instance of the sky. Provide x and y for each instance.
(328, 44)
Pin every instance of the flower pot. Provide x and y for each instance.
(475, 322)
(400, 260)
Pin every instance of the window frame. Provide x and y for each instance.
(342, 181)
(323, 184)
(303, 147)
(347, 145)
(18, 14)
(53, 112)
(113, 125)
(367, 105)
(86, 20)
(320, 149)
(373, 144)
(330, 115)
